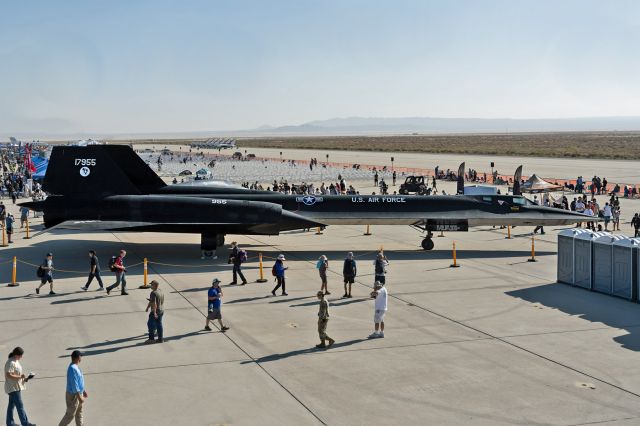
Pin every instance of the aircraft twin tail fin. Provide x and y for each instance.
(98, 171)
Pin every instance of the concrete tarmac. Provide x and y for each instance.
(495, 341)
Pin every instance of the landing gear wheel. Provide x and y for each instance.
(208, 253)
(427, 244)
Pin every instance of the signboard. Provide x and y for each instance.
(447, 225)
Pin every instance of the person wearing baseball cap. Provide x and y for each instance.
(47, 274)
(214, 312)
(278, 270)
(380, 294)
(323, 320)
(76, 394)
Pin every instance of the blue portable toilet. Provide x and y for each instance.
(582, 258)
(602, 262)
(566, 256)
(624, 262)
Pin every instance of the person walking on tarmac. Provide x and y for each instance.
(94, 271)
(323, 320)
(278, 270)
(236, 257)
(120, 270)
(214, 305)
(9, 222)
(322, 265)
(349, 272)
(47, 274)
(635, 222)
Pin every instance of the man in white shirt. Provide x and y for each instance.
(606, 212)
(380, 294)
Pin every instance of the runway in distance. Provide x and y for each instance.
(109, 187)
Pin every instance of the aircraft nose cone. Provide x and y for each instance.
(291, 221)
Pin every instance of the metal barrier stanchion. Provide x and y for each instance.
(441, 234)
(145, 274)
(508, 237)
(262, 279)
(26, 237)
(367, 233)
(455, 259)
(14, 282)
(533, 250)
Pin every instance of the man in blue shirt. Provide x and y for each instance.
(214, 312)
(75, 395)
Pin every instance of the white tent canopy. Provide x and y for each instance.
(538, 185)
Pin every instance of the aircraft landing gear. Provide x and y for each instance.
(427, 242)
(209, 243)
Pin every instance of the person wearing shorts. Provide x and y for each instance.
(214, 295)
(47, 274)
(380, 294)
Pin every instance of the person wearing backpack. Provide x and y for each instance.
(118, 267)
(278, 271)
(322, 265)
(46, 274)
(349, 271)
(380, 265)
(237, 257)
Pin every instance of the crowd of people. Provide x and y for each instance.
(76, 395)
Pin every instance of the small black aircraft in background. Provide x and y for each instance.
(109, 187)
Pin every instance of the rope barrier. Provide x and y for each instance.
(14, 261)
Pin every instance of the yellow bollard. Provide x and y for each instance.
(533, 250)
(367, 233)
(318, 231)
(145, 274)
(455, 258)
(508, 237)
(26, 237)
(14, 274)
(262, 279)
(4, 236)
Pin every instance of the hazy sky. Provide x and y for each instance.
(156, 66)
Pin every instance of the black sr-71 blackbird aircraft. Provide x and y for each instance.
(109, 187)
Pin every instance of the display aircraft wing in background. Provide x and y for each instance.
(110, 187)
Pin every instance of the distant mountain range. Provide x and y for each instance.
(434, 125)
(376, 126)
